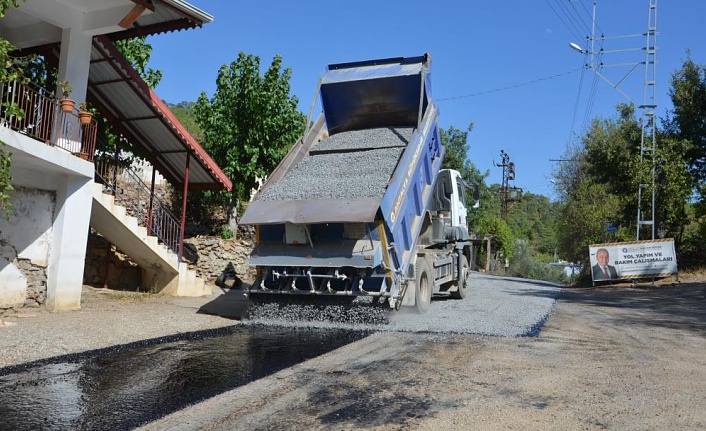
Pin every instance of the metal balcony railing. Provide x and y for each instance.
(132, 193)
(42, 119)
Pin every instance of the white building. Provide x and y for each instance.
(56, 198)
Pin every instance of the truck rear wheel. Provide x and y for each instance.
(422, 286)
(462, 282)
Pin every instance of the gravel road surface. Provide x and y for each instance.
(495, 306)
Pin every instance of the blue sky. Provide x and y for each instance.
(504, 66)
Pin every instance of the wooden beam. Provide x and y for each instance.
(129, 19)
(147, 4)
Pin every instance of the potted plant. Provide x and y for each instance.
(67, 105)
(84, 113)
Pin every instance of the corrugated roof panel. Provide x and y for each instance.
(139, 113)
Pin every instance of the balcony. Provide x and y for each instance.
(42, 118)
(35, 112)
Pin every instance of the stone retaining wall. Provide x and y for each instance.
(210, 257)
(123, 273)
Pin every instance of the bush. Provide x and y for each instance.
(227, 233)
(524, 264)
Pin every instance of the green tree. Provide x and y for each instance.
(6, 4)
(674, 187)
(580, 222)
(10, 70)
(5, 180)
(525, 264)
(685, 129)
(534, 220)
(601, 181)
(184, 112)
(687, 120)
(456, 149)
(249, 124)
(500, 233)
(138, 53)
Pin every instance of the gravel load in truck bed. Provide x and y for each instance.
(360, 166)
(382, 137)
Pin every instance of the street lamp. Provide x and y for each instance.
(577, 48)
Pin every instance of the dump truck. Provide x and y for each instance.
(360, 205)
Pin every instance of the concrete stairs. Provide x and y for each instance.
(160, 266)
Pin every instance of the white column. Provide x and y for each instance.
(74, 61)
(68, 247)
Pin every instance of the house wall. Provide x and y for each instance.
(25, 241)
(49, 246)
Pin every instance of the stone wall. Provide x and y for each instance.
(210, 256)
(123, 273)
(36, 282)
(24, 284)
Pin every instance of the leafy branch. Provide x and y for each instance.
(8, 72)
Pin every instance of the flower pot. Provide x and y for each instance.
(67, 105)
(85, 117)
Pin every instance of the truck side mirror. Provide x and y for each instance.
(476, 196)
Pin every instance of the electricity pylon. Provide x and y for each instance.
(648, 140)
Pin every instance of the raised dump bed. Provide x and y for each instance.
(343, 212)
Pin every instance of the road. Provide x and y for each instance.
(618, 358)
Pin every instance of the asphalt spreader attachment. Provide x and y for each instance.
(306, 308)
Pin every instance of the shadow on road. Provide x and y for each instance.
(677, 306)
(232, 304)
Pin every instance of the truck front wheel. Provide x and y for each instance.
(422, 286)
(462, 281)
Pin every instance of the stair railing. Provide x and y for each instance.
(132, 193)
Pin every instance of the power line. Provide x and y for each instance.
(578, 15)
(591, 16)
(591, 100)
(546, 78)
(575, 19)
(576, 105)
(575, 31)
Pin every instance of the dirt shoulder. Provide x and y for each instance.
(618, 358)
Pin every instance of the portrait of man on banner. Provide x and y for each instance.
(602, 270)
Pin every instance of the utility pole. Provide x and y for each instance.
(507, 193)
(505, 164)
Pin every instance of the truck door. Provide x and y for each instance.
(459, 213)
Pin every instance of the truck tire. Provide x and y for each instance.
(462, 281)
(422, 286)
